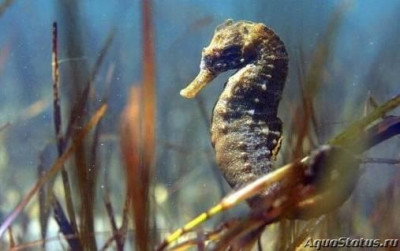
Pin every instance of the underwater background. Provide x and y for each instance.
(108, 46)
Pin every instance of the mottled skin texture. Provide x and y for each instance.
(245, 131)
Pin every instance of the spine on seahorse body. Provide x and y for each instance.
(245, 131)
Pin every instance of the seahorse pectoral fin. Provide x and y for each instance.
(203, 78)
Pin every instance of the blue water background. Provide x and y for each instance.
(181, 29)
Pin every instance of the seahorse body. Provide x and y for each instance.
(245, 132)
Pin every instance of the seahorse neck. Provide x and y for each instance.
(256, 88)
(268, 51)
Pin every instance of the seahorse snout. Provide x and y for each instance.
(204, 77)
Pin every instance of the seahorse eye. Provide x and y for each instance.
(208, 61)
(224, 59)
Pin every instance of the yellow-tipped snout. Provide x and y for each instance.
(203, 78)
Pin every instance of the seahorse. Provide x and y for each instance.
(246, 132)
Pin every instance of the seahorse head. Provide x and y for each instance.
(233, 45)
